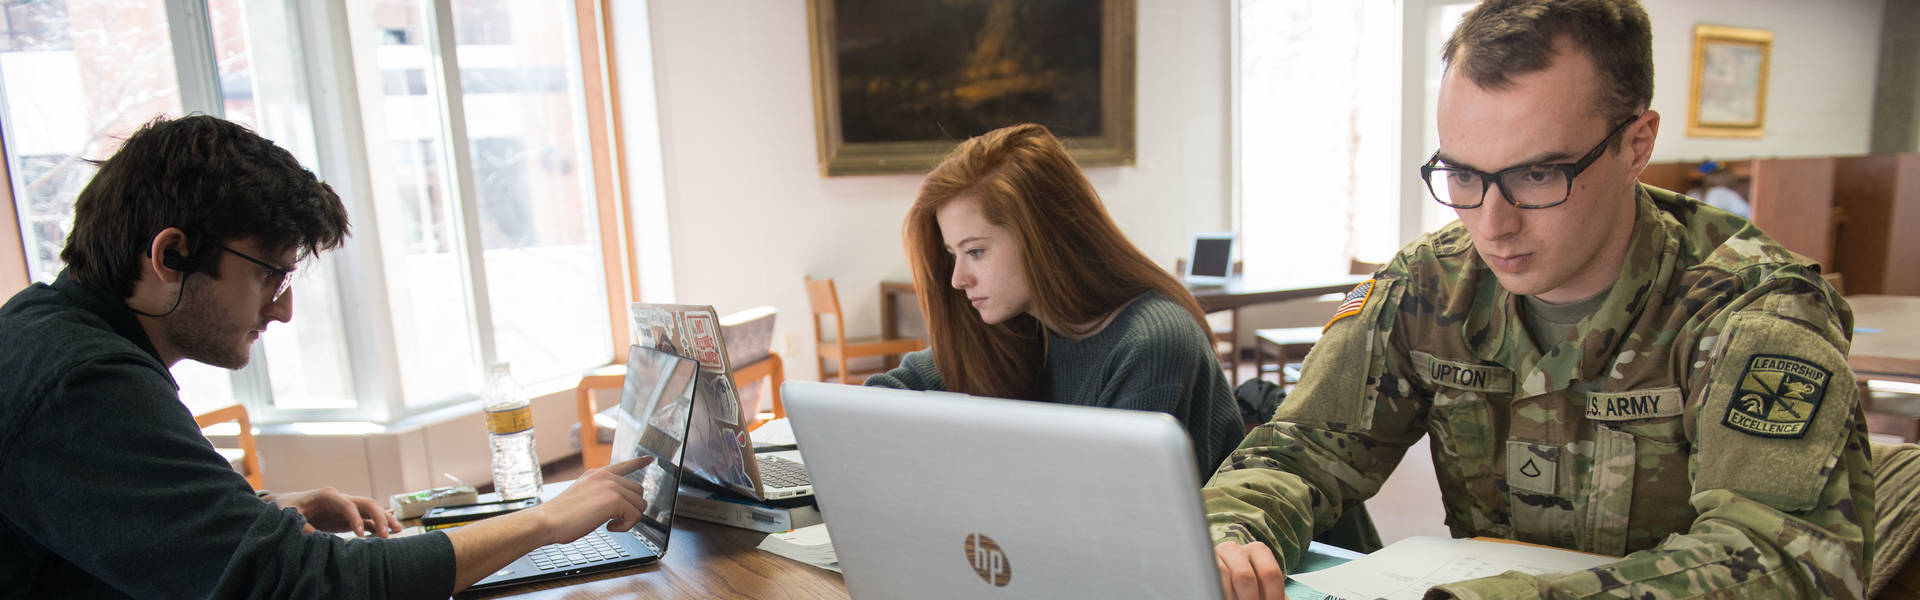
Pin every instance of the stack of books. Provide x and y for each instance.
(731, 509)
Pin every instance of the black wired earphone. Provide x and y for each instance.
(173, 260)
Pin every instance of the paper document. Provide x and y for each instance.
(777, 432)
(809, 545)
(1319, 556)
(408, 531)
(1408, 567)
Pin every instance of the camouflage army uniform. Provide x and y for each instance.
(1703, 419)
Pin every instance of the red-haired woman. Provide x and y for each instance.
(1032, 292)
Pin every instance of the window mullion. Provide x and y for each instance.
(190, 27)
(193, 61)
(325, 32)
(453, 127)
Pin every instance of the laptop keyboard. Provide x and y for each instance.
(776, 472)
(595, 548)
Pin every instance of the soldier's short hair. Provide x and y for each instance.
(1502, 38)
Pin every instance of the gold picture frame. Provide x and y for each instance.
(896, 85)
(1729, 93)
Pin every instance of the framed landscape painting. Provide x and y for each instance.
(1729, 95)
(898, 84)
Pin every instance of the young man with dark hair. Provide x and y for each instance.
(1600, 365)
(183, 247)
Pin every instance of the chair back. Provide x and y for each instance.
(749, 338)
(772, 369)
(825, 301)
(249, 455)
(593, 453)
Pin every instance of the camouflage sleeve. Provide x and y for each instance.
(1332, 442)
(1779, 468)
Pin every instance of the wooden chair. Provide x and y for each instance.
(1896, 481)
(772, 369)
(246, 458)
(1359, 267)
(826, 301)
(594, 453)
(749, 338)
(1226, 345)
(1291, 344)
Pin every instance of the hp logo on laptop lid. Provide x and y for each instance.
(988, 560)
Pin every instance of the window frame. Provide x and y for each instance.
(327, 57)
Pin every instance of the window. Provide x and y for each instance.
(1318, 100)
(533, 179)
(1441, 19)
(76, 83)
(476, 190)
(527, 182)
(262, 86)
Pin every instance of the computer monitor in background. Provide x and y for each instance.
(1212, 260)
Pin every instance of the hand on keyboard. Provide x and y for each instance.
(603, 495)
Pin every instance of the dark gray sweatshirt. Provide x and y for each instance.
(108, 489)
(1153, 356)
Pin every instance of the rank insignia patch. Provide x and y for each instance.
(1777, 396)
(1351, 305)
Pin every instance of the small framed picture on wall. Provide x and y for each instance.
(1729, 94)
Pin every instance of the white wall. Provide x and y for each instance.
(751, 215)
(1819, 89)
(736, 136)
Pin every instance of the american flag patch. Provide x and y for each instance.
(1351, 305)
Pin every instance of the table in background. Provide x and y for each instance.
(704, 560)
(1886, 341)
(892, 293)
(1237, 292)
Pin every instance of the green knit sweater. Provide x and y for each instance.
(1153, 356)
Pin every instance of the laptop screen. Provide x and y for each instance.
(1211, 255)
(655, 408)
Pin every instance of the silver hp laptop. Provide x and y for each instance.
(936, 495)
(656, 405)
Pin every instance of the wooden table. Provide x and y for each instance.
(704, 560)
(892, 292)
(1886, 339)
(1235, 293)
(1238, 291)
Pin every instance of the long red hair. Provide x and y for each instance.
(1079, 266)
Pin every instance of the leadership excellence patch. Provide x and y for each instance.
(1777, 396)
(1351, 305)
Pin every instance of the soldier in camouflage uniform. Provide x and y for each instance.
(1601, 365)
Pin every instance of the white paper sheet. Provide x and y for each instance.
(777, 432)
(1407, 568)
(809, 545)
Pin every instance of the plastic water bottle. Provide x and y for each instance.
(516, 469)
